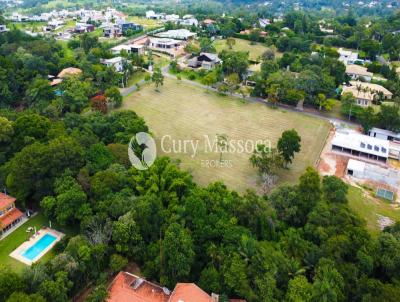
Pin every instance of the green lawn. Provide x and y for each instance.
(15, 239)
(188, 112)
(147, 24)
(368, 208)
(255, 51)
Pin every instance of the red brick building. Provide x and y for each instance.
(9, 214)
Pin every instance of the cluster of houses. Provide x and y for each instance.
(129, 287)
(364, 92)
(187, 20)
(112, 22)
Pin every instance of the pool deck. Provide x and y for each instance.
(17, 253)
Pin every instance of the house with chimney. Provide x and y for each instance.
(9, 214)
(127, 287)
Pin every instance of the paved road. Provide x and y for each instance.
(166, 74)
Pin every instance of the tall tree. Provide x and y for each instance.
(288, 144)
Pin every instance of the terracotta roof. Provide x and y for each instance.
(55, 82)
(122, 290)
(70, 71)
(358, 70)
(10, 217)
(208, 21)
(189, 292)
(6, 200)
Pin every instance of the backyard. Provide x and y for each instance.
(187, 112)
(255, 51)
(16, 238)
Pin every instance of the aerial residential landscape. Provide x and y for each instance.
(199, 151)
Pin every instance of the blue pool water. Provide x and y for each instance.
(34, 251)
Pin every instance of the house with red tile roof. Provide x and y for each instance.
(127, 287)
(9, 214)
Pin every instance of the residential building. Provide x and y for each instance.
(359, 145)
(164, 43)
(180, 34)
(392, 137)
(111, 31)
(117, 63)
(124, 26)
(384, 134)
(83, 28)
(152, 15)
(205, 60)
(55, 24)
(9, 214)
(347, 56)
(3, 28)
(129, 287)
(357, 72)
(130, 48)
(172, 17)
(264, 22)
(367, 93)
(188, 22)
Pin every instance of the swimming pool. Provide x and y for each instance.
(35, 250)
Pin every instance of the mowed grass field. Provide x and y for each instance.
(255, 51)
(186, 112)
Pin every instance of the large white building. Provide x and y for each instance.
(347, 56)
(117, 63)
(359, 145)
(180, 34)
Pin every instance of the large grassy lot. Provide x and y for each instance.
(369, 208)
(187, 112)
(255, 51)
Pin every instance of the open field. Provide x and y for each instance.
(146, 23)
(187, 112)
(255, 51)
(368, 208)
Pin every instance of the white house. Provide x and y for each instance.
(152, 15)
(188, 22)
(117, 63)
(3, 28)
(359, 145)
(205, 60)
(358, 72)
(385, 134)
(347, 56)
(164, 43)
(264, 22)
(180, 34)
(172, 17)
(130, 48)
